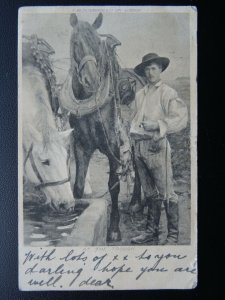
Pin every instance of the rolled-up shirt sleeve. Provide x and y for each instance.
(176, 114)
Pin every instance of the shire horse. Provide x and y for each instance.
(90, 95)
(45, 150)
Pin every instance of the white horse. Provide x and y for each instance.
(45, 150)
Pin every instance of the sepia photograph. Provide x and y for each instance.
(107, 130)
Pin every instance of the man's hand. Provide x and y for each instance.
(150, 125)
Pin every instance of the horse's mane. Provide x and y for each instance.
(37, 88)
(44, 121)
(36, 53)
(37, 100)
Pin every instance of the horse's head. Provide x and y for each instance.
(47, 166)
(85, 45)
(88, 55)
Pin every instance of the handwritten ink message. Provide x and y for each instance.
(84, 269)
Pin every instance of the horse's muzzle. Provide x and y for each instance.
(63, 207)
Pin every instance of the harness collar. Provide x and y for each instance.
(104, 94)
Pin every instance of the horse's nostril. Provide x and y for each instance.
(70, 209)
(62, 206)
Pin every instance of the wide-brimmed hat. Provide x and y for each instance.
(150, 58)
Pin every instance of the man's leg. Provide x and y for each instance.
(154, 206)
(163, 177)
(172, 213)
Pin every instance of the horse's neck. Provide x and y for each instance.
(37, 111)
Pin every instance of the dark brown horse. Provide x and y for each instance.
(90, 94)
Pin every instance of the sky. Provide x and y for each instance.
(166, 34)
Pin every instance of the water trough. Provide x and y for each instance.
(87, 226)
(91, 227)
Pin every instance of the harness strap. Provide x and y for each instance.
(28, 154)
(35, 168)
(54, 183)
(84, 60)
(42, 183)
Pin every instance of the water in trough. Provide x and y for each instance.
(46, 228)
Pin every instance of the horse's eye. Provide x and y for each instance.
(45, 162)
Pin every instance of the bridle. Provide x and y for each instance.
(79, 66)
(84, 60)
(87, 58)
(43, 184)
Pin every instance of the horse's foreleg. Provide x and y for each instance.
(82, 161)
(114, 188)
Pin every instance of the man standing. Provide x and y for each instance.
(159, 111)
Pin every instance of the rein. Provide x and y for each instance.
(43, 184)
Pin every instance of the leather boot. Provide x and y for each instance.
(150, 236)
(172, 222)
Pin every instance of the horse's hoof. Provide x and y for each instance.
(114, 236)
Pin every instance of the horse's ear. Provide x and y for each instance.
(73, 20)
(98, 21)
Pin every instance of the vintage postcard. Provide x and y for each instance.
(107, 128)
